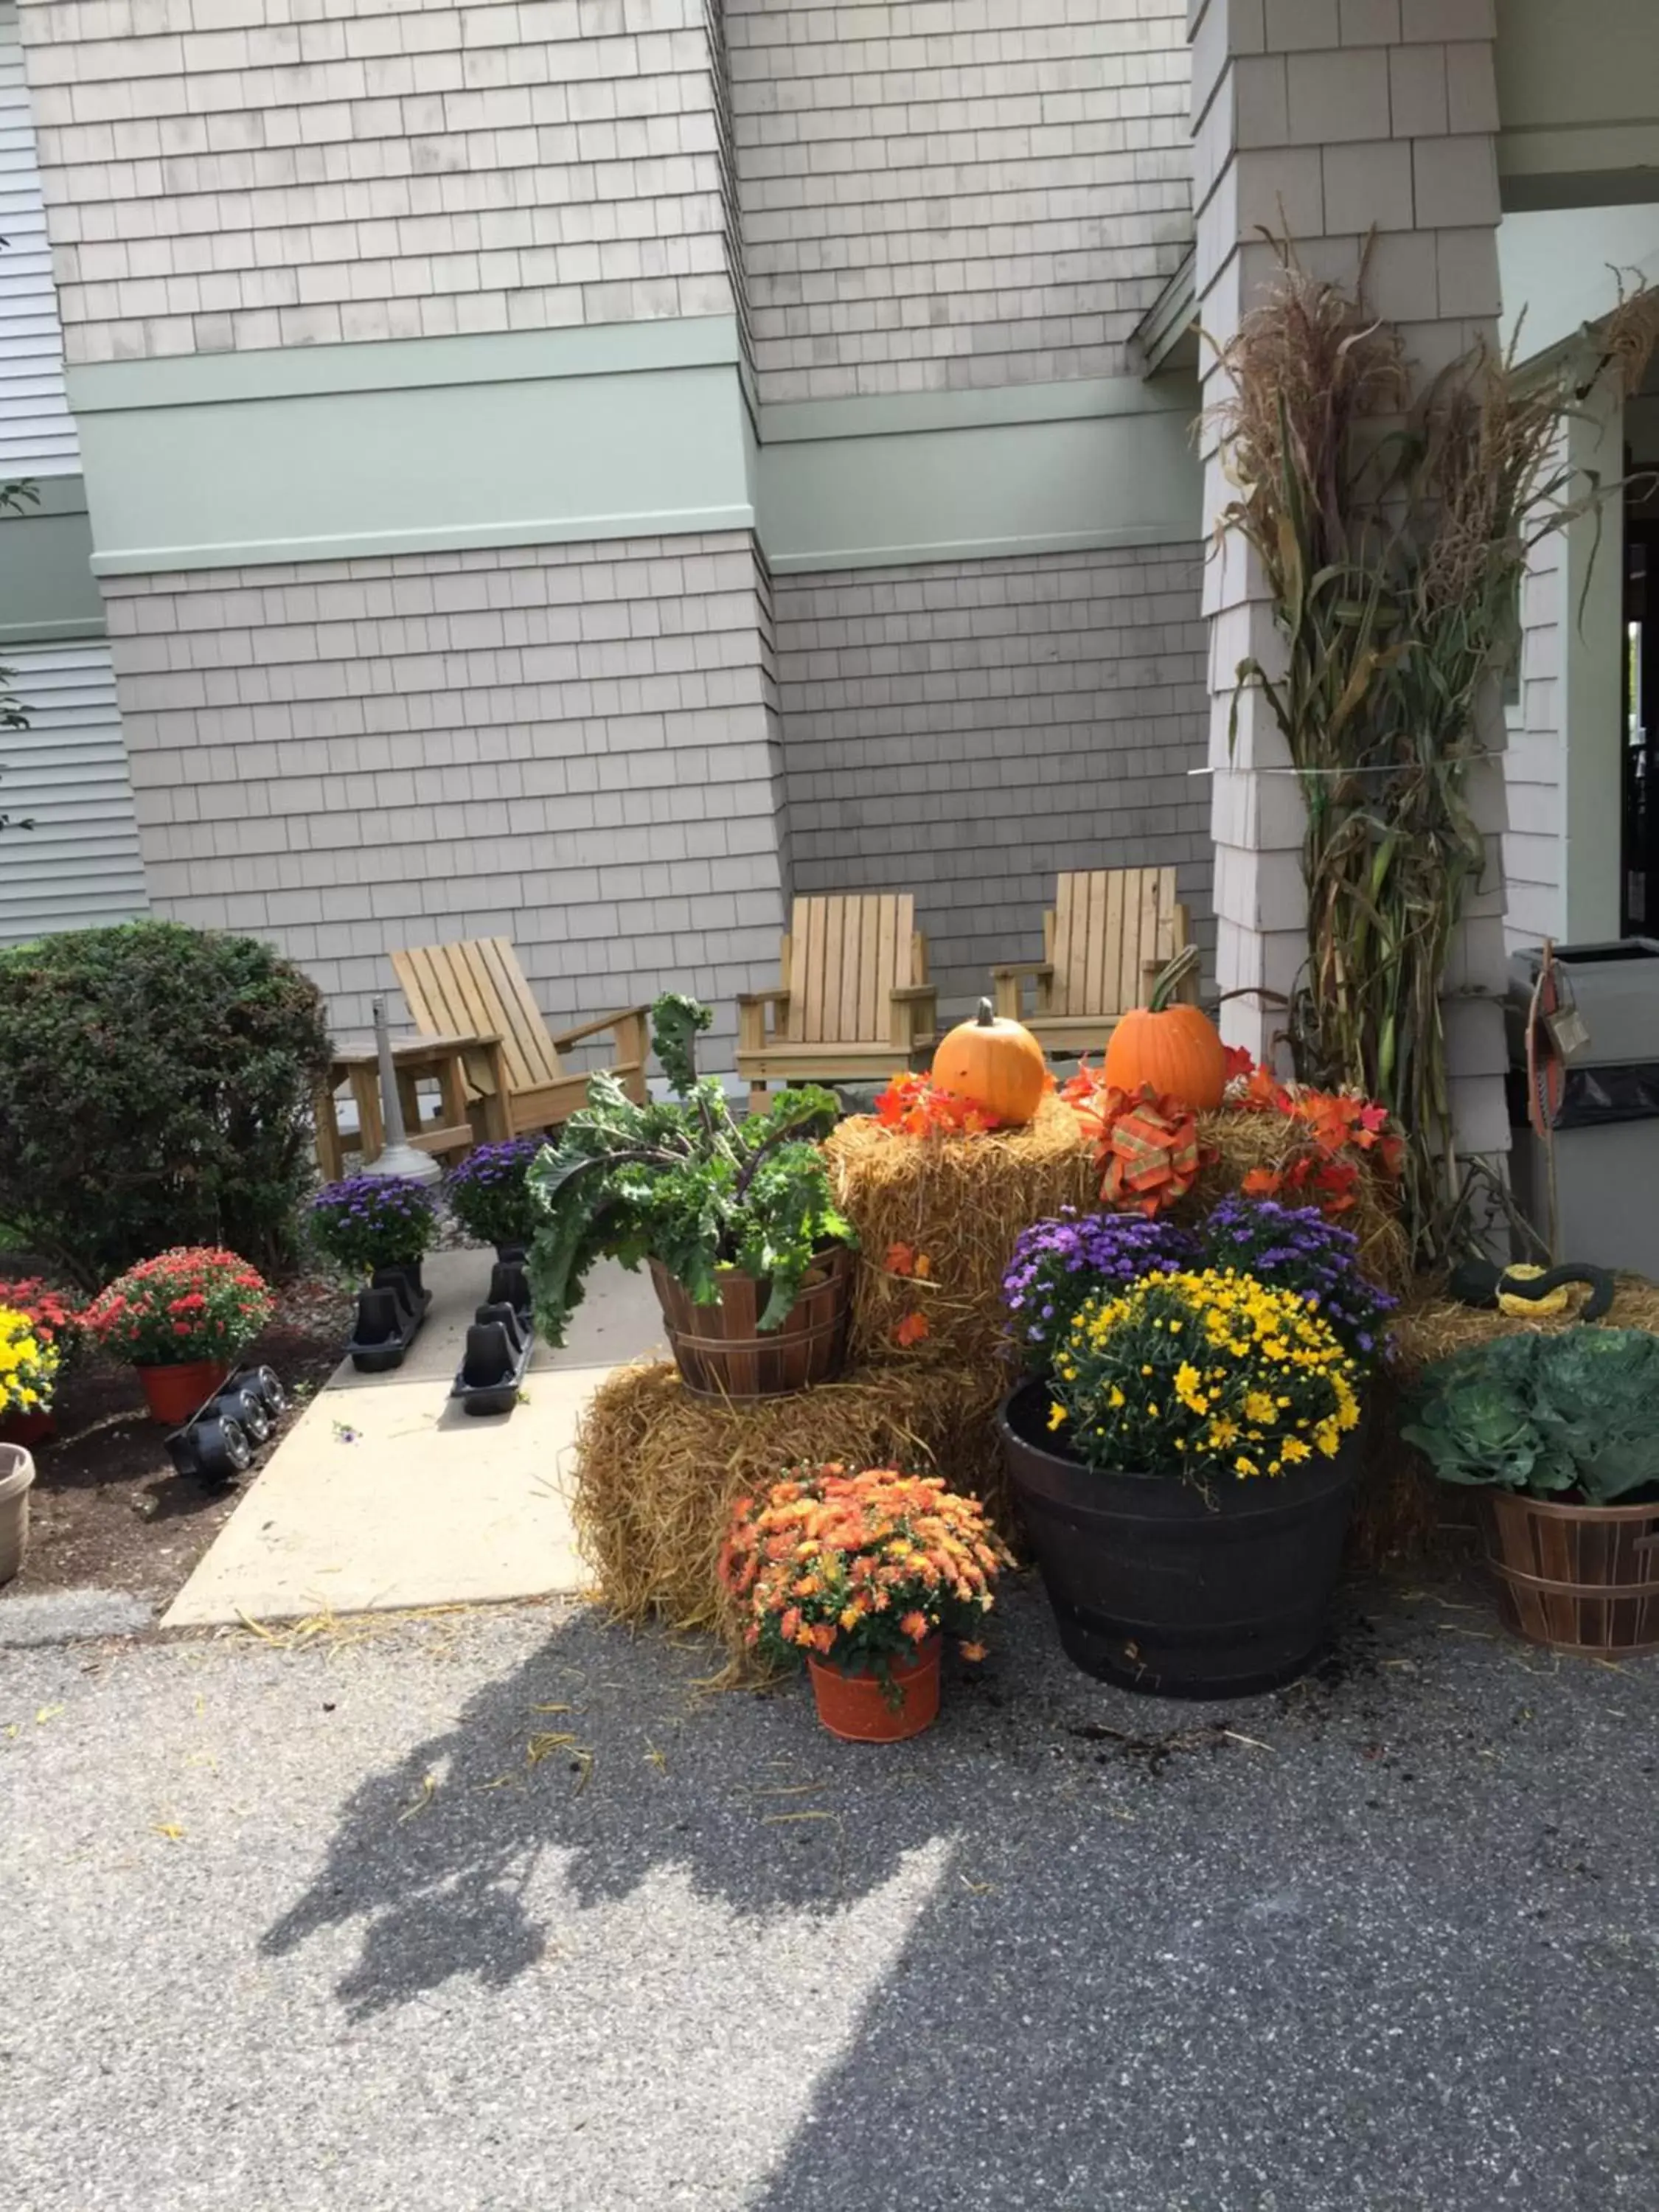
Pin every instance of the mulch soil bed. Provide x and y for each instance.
(107, 1512)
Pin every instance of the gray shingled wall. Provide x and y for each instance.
(571, 745)
(965, 729)
(275, 172)
(940, 198)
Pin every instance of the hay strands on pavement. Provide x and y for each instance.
(498, 1344)
(219, 1440)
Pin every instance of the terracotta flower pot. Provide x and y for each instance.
(28, 1430)
(174, 1392)
(16, 1474)
(854, 1704)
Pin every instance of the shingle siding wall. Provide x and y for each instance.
(274, 172)
(940, 195)
(569, 745)
(964, 730)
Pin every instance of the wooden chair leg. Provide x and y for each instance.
(758, 1098)
(409, 1098)
(330, 1155)
(366, 1092)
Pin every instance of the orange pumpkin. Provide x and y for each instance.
(1174, 1047)
(996, 1064)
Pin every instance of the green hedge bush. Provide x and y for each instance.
(155, 1086)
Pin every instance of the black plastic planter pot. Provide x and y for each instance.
(1155, 1588)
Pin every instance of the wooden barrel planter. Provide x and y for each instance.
(1158, 1588)
(1581, 1578)
(722, 1351)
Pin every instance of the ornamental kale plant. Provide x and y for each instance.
(1545, 1412)
(684, 1182)
(1058, 1266)
(372, 1221)
(489, 1192)
(1296, 1249)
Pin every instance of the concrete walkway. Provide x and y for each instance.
(384, 1494)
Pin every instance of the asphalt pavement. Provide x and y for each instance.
(501, 1909)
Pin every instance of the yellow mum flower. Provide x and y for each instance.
(1056, 1414)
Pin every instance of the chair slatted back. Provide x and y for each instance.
(1108, 923)
(479, 986)
(847, 954)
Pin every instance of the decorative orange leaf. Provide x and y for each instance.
(901, 1260)
(911, 1330)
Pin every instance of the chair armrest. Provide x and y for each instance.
(778, 996)
(600, 1022)
(916, 1005)
(1008, 982)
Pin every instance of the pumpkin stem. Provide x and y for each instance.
(1170, 979)
(985, 1018)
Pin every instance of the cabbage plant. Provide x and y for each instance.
(1546, 1413)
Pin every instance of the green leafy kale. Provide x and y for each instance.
(1545, 1414)
(683, 1182)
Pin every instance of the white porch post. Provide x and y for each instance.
(1327, 119)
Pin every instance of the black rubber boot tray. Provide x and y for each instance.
(498, 1344)
(389, 1316)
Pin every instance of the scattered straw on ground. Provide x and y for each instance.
(657, 1470)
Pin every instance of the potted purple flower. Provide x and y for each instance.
(1295, 1247)
(369, 1224)
(490, 1195)
(1058, 1266)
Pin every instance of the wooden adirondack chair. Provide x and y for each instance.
(1110, 932)
(854, 1001)
(479, 987)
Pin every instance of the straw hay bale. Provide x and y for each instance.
(963, 1201)
(658, 1470)
(960, 1202)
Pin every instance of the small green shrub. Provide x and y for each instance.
(155, 1086)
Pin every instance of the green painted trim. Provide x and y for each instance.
(415, 458)
(358, 546)
(1065, 484)
(891, 555)
(54, 495)
(419, 468)
(47, 590)
(905, 414)
(404, 364)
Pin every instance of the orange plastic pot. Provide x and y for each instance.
(855, 1705)
(174, 1392)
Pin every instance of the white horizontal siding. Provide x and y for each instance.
(1533, 768)
(80, 864)
(37, 431)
